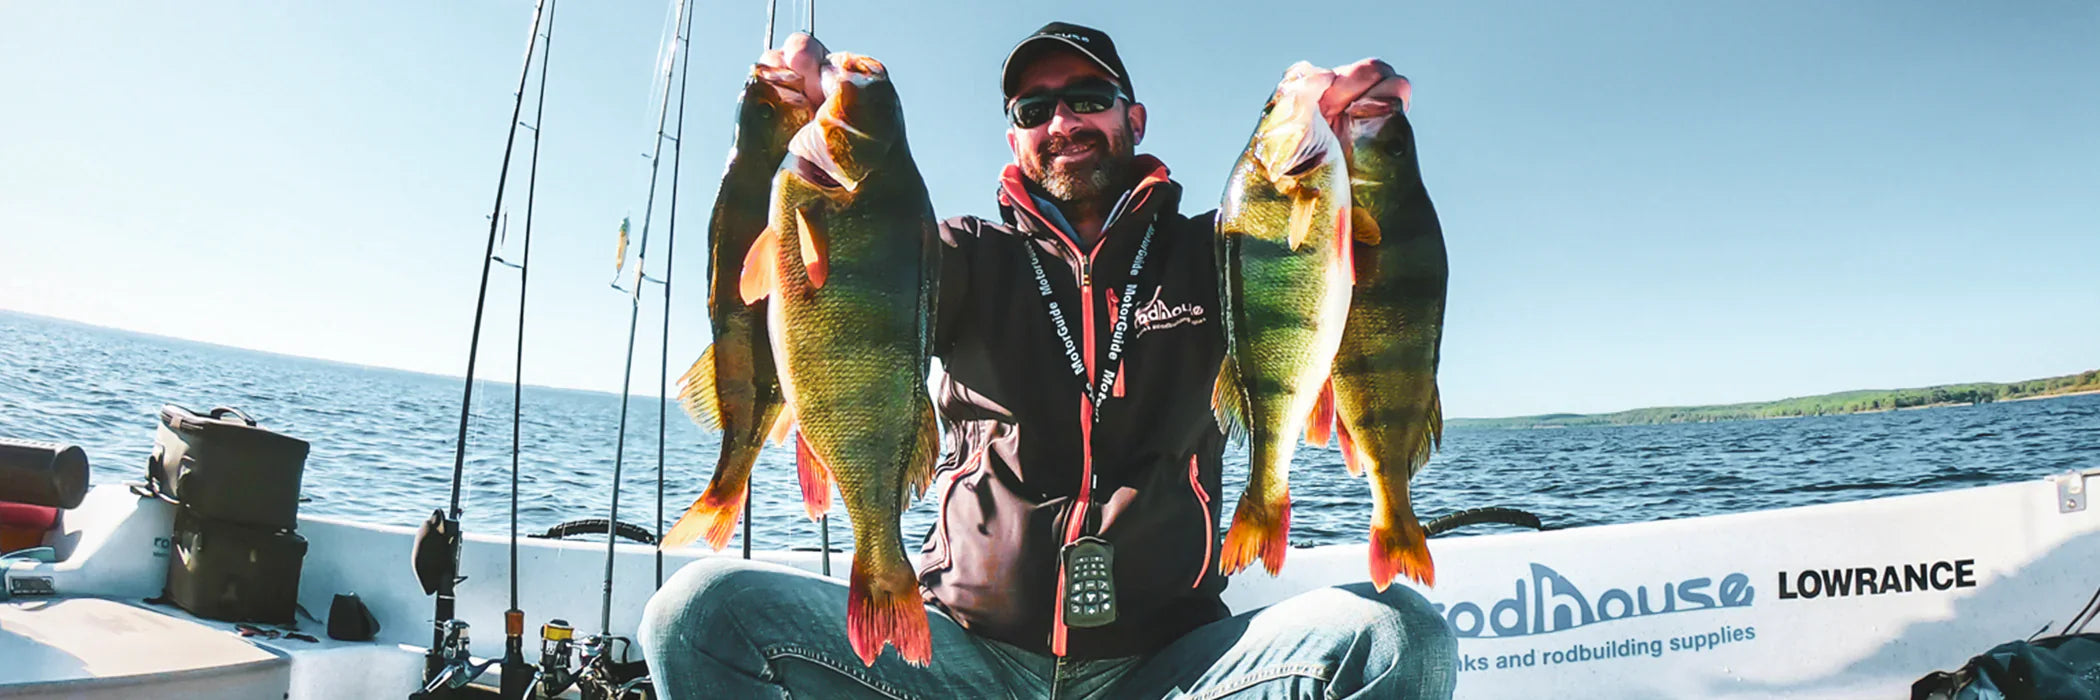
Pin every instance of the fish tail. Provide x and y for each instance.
(884, 607)
(815, 478)
(696, 391)
(1399, 546)
(1320, 426)
(1259, 530)
(712, 517)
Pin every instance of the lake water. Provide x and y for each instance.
(383, 446)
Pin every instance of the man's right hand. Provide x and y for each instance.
(804, 55)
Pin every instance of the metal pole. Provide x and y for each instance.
(434, 661)
(633, 318)
(663, 375)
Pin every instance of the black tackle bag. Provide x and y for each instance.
(2052, 668)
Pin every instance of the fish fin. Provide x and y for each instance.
(815, 478)
(778, 434)
(1345, 245)
(885, 608)
(1436, 420)
(1401, 548)
(1363, 227)
(1431, 437)
(759, 278)
(1304, 211)
(1259, 530)
(814, 250)
(1350, 457)
(713, 516)
(1320, 425)
(1228, 401)
(919, 474)
(696, 391)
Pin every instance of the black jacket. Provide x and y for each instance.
(1022, 455)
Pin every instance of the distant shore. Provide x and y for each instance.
(1841, 403)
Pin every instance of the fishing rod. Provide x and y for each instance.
(751, 504)
(663, 366)
(444, 661)
(517, 675)
(601, 670)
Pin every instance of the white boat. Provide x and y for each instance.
(1842, 600)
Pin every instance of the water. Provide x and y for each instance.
(383, 445)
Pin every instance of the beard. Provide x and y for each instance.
(1085, 181)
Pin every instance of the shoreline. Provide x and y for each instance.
(2037, 397)
(1946, 404)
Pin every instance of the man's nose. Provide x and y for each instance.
(1064, 121)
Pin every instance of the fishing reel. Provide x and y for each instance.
(605, 677)
(555, 675)
(459, 668)
(589, 666)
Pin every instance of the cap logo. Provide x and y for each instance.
(1075, 37)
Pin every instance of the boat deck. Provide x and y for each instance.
(92, 648)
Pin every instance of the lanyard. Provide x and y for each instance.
(1097, 392)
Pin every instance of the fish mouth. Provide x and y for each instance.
(810, 157)
(811, 172)
(852, 69)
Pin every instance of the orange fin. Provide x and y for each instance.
(886, 610)
(1228, 401)
(697, 394)
(1363, 227)
(815, 477)
(814, 250)
(1401, 550)
(1350, 458)
(778, 434)
(713, 517)
(1301, 222)
(1257, 534)
(1320, 426)
(759, 278)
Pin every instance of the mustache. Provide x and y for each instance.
(1059, 143)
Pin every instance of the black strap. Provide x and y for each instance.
(1097, 393)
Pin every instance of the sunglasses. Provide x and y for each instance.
(1030, 111)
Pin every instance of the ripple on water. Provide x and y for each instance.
(383, 447)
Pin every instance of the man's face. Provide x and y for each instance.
(1075, 157)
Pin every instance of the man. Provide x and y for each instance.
(1031, 471)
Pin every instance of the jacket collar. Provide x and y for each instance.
(1020, 207)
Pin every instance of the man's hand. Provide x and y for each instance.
(1369, 80)
(804, 55)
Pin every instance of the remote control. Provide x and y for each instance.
(1090, 591)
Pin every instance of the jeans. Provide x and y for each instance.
(728, 628)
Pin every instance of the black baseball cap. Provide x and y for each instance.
(1088, 41)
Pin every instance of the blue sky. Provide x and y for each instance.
(1646, 203)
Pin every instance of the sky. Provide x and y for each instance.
(1645, 202)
